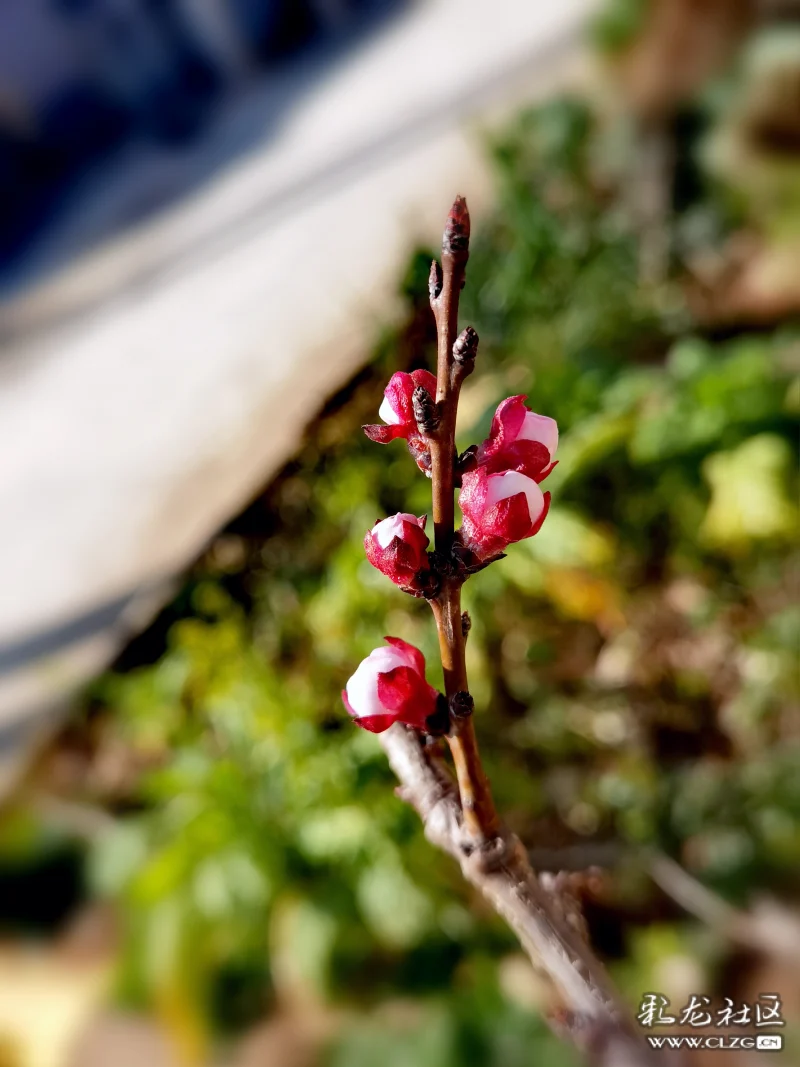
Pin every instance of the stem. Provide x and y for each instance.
(587, 1009)
(480, 817)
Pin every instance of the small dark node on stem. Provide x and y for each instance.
(466, 624)
(425, 411)
(465, 346)
(462, 557)
(467, 461)
(438, 723)
(481, 565)
(442, 565)
(435, 281)
(426, 584)
(493, 854)
(455, 239)
(461, 705)
(465, 562)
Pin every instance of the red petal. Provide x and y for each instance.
(372, 550)
(508, 420)
(425, 379)
(396, 688)
(506, 424)
(418, 447)
(538, 524)
(402, 558)
(540, 477)
(376, 724)
(408, 695)
(472, 498)
(510, 519)
(415, 537)
(421, 705)
(402, 561)
(528, 457)
(413, 653)
(383, 434)
(398, 393)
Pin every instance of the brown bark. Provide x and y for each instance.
(480, 817)
(589, 1012)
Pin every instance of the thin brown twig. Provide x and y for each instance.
(768, 927)
(480, 816)
(589, 1011)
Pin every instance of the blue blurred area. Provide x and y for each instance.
(79, 79)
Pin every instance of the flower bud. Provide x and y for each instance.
(389, 686)
(519, 440)
(396, 547)
(397, 412)
(499, 509)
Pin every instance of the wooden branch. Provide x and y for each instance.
(769, 927)
(480, 816)
(589, 1011)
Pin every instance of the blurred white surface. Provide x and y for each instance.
(151, 387)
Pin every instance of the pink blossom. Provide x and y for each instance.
(389, 686)
(398, 414)
(499, 509)
(519, 440)
(396, 547)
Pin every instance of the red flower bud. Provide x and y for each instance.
(397, 412)
(519, 440)
(389, 686)
(499, 509)
(396, 547)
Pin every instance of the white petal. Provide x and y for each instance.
(388, 414)
(540, 428)
(386, 530)
(386, 658)
(502, 486)
(362, 688)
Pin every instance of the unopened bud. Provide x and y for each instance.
(425, 411)
(461, 705)
(465, 346)
(456, 231)
(435, 281)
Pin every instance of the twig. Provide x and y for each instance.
(480, 816)
(768, 927)
(590, 1012)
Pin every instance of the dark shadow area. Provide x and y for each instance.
(161, 87)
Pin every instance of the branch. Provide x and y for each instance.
(769, 927)
(455, 360)
(589, 1011)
